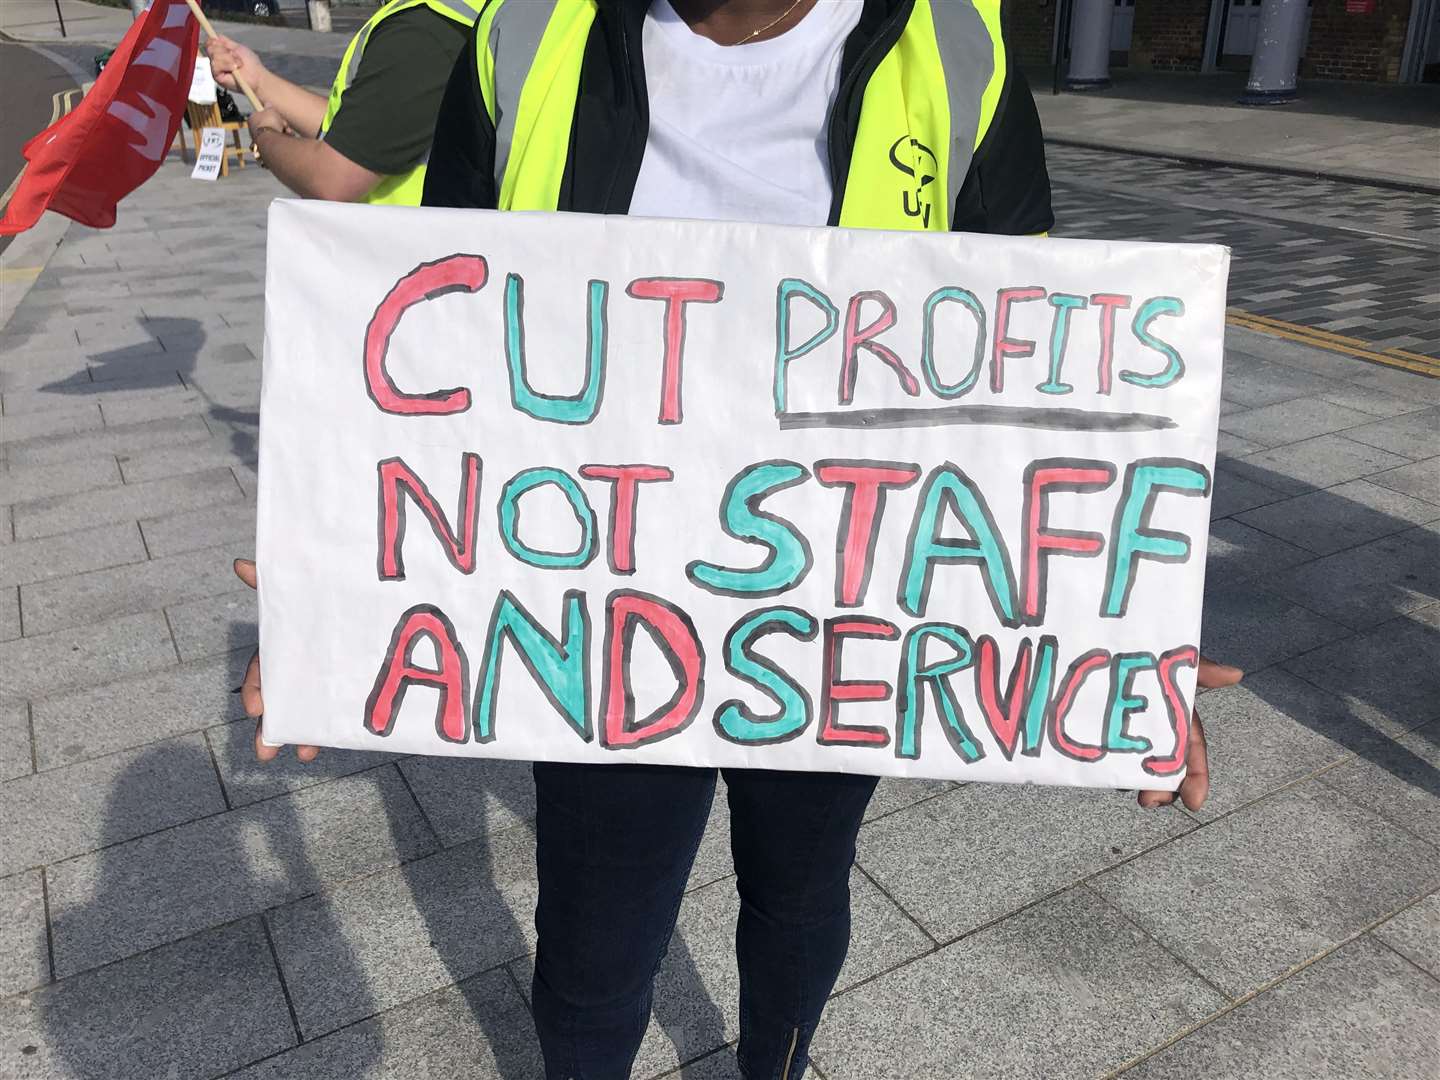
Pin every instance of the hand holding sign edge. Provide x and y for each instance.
(1195, 788)
(250, 696)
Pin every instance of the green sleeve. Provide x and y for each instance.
(387, 116)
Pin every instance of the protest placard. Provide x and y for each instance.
(590, 488)
(210, 155)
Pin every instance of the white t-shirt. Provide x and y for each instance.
(738, 133)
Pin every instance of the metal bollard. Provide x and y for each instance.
(1276, 60)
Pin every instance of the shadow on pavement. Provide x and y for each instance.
(208, 997)
(1378, 672)
(448, 902)
(184, 341)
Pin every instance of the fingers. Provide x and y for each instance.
(245, 571)
(263, 750)
(223, 59)
(224, 46)
(250, 699)
(267, 119)
(1213, 676)
(1195, 788)
(266, 752)
(228, 60)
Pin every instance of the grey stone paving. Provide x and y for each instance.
(1353, 129)
(176, 910)
(1340, 257)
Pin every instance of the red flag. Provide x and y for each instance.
(114, 140)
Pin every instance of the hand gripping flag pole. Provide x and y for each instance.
(210, 33)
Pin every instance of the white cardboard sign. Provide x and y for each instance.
(588, 488)
(202, 83)
(210, 155)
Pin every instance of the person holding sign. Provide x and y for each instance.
(369, 140)
(882, 114)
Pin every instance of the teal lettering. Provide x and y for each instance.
(733, 719)
(1123, 701)
(1133, 540)
(915, 673)
(580, 408)
(518, 485)
(948, 488)
(966, 299)
(561, 670)
(1175, 366)
(784, 354)
(1064, 304)
(789, 557)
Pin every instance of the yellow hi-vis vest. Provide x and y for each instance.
(405, 188)
(925, 108)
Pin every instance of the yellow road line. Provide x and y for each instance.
(1325, 339)
(11, 274)
(61, 102)
(1341, 339)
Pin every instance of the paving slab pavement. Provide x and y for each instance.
(178, 911)
(1357, 131)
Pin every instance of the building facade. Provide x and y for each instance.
(1381, 41)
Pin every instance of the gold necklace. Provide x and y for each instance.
(770, 25)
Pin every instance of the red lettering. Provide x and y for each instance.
(1002, 714)
(625, 481)
(857, 339)
(865, 484)
(1006, 346)
(1176, 707)
(835, 691)
(1041, 477)
(670, 629)
(398, 673)
(455, 273)
(460, 550)
(676, 292)
(1075, 677)
(1108, 303)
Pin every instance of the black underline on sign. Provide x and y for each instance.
(1006, 415)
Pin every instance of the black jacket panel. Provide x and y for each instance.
(1007, 190)
(461, 169)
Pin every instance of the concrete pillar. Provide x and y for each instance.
(1090, 45)
(1274, 66)
(319, 11)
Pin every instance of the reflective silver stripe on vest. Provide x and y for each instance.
(967, 53)
(354, 65)
(515, 37)
(463, 11)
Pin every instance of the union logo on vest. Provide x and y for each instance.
(922, 169)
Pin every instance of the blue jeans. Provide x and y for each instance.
(614, 848)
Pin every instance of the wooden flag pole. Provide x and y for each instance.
(210, 32)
